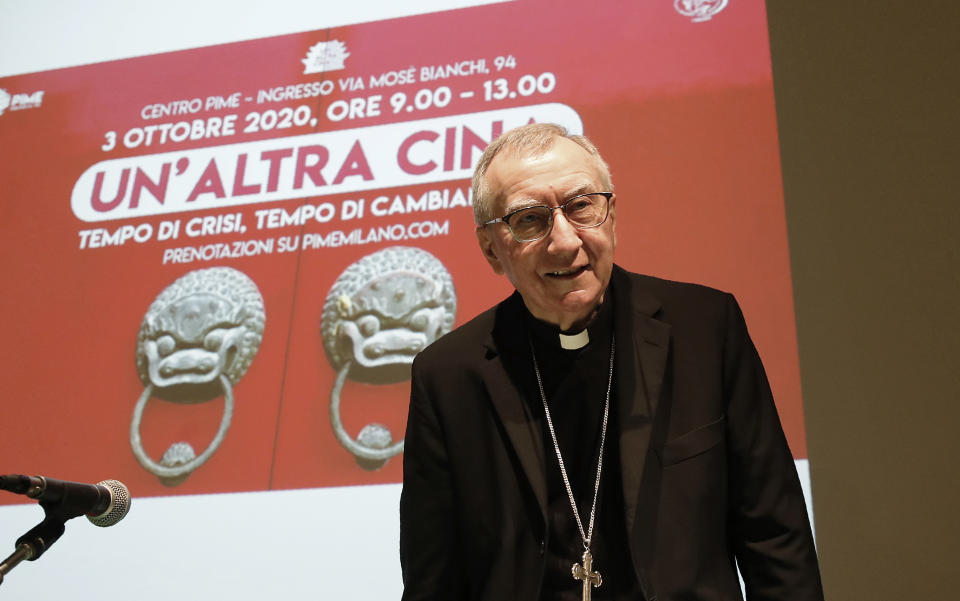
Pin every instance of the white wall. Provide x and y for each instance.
(38, 35)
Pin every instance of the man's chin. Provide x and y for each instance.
(574, 308)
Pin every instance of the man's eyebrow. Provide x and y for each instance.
(581, 189)
(524, 203)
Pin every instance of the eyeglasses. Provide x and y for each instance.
(583, 211)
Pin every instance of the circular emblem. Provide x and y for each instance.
(381, 312)
(196, 341)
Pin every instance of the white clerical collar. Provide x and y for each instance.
(572, 342)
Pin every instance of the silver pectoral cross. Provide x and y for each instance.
(585, 574)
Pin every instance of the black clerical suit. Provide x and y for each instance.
(702, 464)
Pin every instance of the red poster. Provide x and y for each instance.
(220, 262)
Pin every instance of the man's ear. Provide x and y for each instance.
(486, 247)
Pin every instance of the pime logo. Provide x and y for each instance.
(16, 102)
(325, 56)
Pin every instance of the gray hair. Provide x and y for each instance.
(527, 140)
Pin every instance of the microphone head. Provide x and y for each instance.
(119, 504)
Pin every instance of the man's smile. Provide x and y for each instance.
(571, 272)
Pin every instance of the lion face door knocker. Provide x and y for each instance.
(196, 341)
(381, 312)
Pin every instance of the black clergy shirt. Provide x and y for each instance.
(575, 386)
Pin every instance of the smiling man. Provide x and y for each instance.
(560, 266)
(599, 434)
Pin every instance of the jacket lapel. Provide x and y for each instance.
(506, 350)
(643, 344)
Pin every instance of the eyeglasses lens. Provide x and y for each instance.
(588, 210)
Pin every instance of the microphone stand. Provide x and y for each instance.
(38, 539)
(23, 551)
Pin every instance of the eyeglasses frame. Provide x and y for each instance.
(505, 219)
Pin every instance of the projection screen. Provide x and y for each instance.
(196, 239)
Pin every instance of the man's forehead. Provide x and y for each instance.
(563, 169)
(533, 151)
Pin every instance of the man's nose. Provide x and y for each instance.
(564, 237)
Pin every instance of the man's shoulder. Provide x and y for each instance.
(694, 312)
(463, 343)
(671, 295)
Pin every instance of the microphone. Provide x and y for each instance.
(104, 503)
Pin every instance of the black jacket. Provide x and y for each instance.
(707, 477)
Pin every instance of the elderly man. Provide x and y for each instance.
(598, 433)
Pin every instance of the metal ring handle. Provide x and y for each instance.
(163, 471)
(355, 446)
